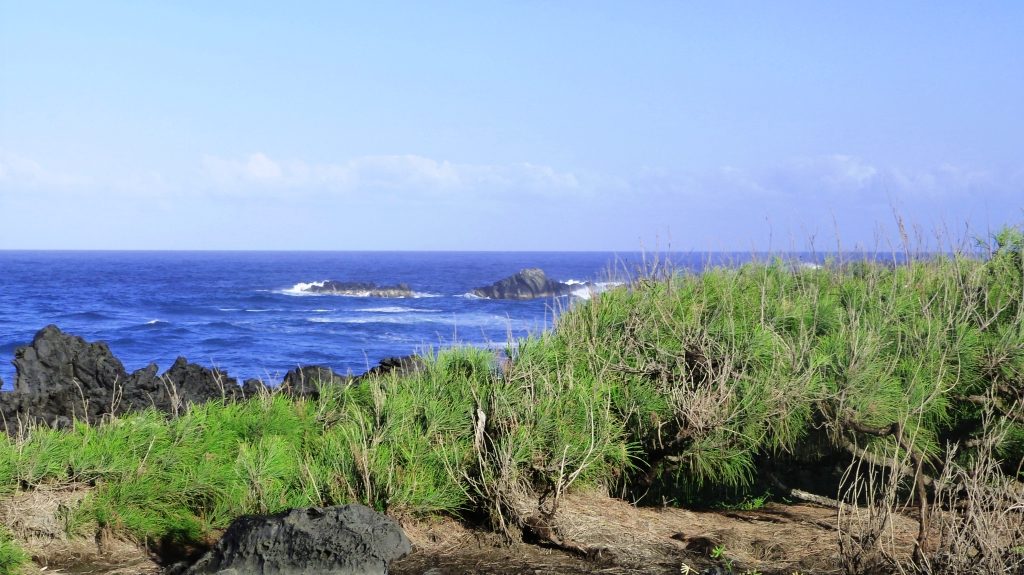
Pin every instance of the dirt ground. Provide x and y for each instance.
(610, 537)
(619, 538)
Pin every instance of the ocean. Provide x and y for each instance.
(244, 313)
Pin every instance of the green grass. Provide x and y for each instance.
(670, 388)
(12, 557)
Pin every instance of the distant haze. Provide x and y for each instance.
(507, 126)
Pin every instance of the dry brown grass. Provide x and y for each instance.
(38, 520)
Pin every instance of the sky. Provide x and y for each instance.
(508, 125)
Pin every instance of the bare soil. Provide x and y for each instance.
(599, 534)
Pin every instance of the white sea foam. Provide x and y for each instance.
(469, 295)
(155, 321)
(457, 321)
(258, 310)
(302, 288)
(396, 309)
(588, 290)
(229, 309)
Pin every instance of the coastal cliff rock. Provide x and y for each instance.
(530, 283)
(361, 289)
(61, 377)
(351, 540)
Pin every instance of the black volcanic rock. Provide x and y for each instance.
(527, 284)
(404, 365)
(305, 381)
(61, 377)
(350, 540)
(364, 289)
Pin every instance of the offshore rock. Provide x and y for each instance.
(527, 284)
(61, 377)
(360, 289)
(350, 540)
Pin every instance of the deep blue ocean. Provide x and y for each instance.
(241, 311)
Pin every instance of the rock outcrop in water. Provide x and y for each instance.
(360, 289)
(61, 378)
(350, 540)
(530, 283)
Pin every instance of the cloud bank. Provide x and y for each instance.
(410, 174)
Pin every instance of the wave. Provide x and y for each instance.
(589, 290)
(301, 289)
(155, 321)
(458, 321)
(396, 309)
(95, 315)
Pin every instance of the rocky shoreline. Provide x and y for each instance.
(61, 378)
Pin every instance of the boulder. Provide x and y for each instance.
(361, 289)
(527, 284)
(350, 540)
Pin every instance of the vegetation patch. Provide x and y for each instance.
(683, 388)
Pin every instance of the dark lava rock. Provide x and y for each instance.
(351, 539)
(253, 387)
(401, 366)
(364, 289)
(61, 377)
(527, 284)
(306, 381)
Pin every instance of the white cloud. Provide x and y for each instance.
(830, 179)
(18, 172)
(395, 173)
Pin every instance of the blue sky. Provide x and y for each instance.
(507, 125)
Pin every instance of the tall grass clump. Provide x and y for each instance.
(717, 377)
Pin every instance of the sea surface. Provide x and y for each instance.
(245, 312)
